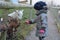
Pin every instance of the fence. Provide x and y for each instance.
(7, 7)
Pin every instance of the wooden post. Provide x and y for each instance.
(30, 2)
(30, 10)
(5, 13)
(9, 5)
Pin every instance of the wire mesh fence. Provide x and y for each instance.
(23, 29)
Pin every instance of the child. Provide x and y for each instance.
(41, 19)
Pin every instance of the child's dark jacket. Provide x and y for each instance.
(41, 21)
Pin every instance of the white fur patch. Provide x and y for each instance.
(1, 19)
(17, 14)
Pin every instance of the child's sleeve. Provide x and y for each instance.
(32, 21)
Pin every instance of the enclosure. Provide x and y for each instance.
(29, 13)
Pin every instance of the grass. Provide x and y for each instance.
(58, 27)
(23, 29)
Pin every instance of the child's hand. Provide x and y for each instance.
(27, 22)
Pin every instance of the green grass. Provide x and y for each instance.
(58, 25)
(23, 29)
